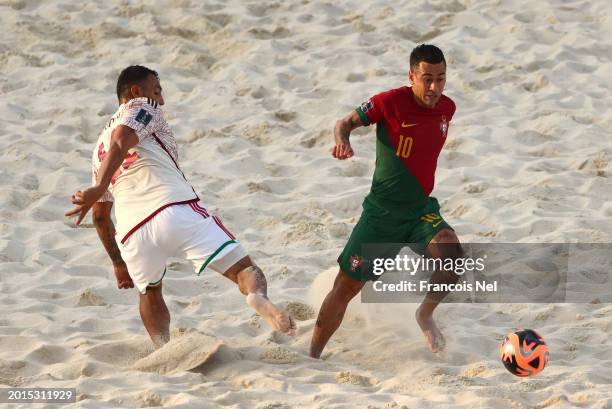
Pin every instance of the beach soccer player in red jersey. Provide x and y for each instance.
(411, 128)
(135, 166)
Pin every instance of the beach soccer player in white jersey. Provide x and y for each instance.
(159, 214)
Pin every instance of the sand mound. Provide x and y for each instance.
(185, 353)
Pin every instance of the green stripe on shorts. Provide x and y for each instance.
(213, 255)
(158, 281)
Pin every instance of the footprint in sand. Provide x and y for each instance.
(262, 9)
(263, 34)
(49, 354)
(12, 372)
(285, 116)
(88, 297)
(355, 77)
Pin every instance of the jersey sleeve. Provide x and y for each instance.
(107, 196)
(142, 115)
(371, 111)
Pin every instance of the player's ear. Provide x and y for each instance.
(135, 91)
(411, 76)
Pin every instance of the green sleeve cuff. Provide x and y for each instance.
(364, 119)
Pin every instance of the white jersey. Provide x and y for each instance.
(149, 179)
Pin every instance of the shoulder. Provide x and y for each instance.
(391, 95)
(387, 99)
(143, 110)
(136, 104)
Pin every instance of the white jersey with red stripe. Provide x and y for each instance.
(149, 179)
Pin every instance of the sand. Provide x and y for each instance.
(252, 92)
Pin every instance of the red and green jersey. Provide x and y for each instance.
(409, 139)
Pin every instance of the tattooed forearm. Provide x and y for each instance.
(106, 232)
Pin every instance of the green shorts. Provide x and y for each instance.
(377, 225)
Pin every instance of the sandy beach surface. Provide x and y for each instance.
(252, 91)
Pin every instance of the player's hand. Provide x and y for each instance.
(123, 277)
(84, 200)
(342, 151)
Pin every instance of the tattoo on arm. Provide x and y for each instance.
(106, 231)
(345, 126)
(344, 129)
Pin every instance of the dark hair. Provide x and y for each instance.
(132, 75)
(428, 53)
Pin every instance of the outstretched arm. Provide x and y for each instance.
(122, 140)
(106, 231)
(342, 132)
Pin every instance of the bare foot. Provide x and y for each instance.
(435, 339)
(160, 340)
(275, 316)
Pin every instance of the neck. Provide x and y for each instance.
(419, 102)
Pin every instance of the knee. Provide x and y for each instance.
(345, 289)
(152, 295)
(445, 236)
(445, 244)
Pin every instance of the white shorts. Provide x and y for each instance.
(184, 231)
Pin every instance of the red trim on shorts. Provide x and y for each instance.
(197, 205)
(149, 217)
(198, 211)
(218, 221)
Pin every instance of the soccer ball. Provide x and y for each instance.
(524, 353)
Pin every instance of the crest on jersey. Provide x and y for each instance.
(444, 126)
(366, 106)
(355, 262)
(143, 117)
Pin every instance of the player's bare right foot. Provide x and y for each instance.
(433, 336)
(276, 317)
